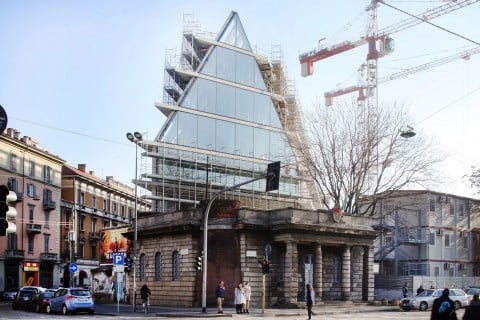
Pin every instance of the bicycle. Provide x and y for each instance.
(146, 305)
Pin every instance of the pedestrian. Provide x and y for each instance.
(145, 294)
(239, 300)
(472, 312)
(220, 294)
(405, 290)
(420, 290)
(443, 307)
(310, 300)
(248, 292)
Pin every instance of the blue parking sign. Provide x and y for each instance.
(118, 259)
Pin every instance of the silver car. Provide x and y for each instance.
(424, 300)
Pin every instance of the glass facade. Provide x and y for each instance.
(223, 130)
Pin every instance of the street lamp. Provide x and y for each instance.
(135, 138)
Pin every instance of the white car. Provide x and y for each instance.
(424, 300)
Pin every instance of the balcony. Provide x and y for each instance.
(47, 256)
(49, 204)
(94, 237)
(33, 228)
(14, 254)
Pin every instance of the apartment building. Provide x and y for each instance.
(31, 255)
(427, 233)
(89, 205)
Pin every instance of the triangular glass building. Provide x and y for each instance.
(230, 112)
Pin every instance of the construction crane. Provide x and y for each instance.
(307, 59)
(405, 72)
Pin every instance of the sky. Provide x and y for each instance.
(78, 75)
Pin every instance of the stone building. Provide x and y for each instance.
(302, 247)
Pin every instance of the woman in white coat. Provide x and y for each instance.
(239, 298)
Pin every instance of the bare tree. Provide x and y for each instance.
(348, 157)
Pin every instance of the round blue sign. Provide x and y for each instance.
(73, 267)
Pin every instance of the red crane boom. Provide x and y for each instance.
(307, 59)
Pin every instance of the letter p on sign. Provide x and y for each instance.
(118, 260)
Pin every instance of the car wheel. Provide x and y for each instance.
(90, 312)
(457, 305)
(37, 308)
(423, 306)
(48, 309)
(64, 310)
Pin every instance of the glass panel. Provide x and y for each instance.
(261, 142)
(244, 104)
(241, 37)
(190, 98)
(277, 146)
(245, 67)
(187, 131)
(170, 133)
(206, 133)
(274, 119)
(228, 35)
(210, 66)
(225, 64)
(225, 100)
(225, 136)
(258, 80)
(262, 105)
(206, 95)
(243, 140)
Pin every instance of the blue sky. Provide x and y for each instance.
(78, 75)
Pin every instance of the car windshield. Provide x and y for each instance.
(27, 293)
(81, 293)
(48, 294)
(426, 293)
(473, 291)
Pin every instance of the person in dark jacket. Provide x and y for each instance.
(439, 311)
(472, 312)
(310, 300)
(220, 294)
(145, 294)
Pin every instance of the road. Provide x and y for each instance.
(336, 313)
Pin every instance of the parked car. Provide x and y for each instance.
(471, 291)
(40, 301)
(22, 297)
(424, 300)
(70, 300)
(10, 294)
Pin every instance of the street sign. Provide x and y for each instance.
(72, 267)
(118, 259)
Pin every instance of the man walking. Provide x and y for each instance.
(220, 294)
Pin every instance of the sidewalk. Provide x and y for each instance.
(319, 309)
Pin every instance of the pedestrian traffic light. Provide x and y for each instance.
(265, 266)
(199, 263)
(8, 214)
(273, 176)
(128, 264)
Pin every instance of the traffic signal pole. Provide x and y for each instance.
(271, 174)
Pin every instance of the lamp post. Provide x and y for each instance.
(135, 138)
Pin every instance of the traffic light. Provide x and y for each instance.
(199, 263)
(8, 214)
(128, 264)
(273, 176)
(265, 266)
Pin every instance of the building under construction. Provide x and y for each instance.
(230, 112)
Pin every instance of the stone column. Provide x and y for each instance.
(318, 273)
(346, 282)
(291, 273)
(368, 276)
